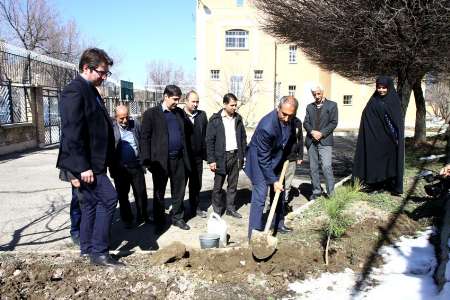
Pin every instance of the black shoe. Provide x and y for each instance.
(75, 240)
(181, 224)
(105, 260)
(201, 213)
(284, 229)
(233, 213)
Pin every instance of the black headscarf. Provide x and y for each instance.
(380, 147)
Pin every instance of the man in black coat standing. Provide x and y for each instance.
(86, 150)
(195, 125)
(164, 153)
(226, 142)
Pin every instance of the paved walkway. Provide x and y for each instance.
(34, 205)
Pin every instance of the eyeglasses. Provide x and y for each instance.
(102, 73)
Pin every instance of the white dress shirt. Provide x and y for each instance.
(230, 131)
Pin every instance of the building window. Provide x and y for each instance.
(258, 75)
(292, 54)
(236, 39)
(348, 99)
(215, 74)
(239, 3)
(292, 89)
(236, 85)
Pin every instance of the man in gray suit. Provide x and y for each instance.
(320, 121)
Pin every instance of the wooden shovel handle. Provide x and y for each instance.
(275, 198)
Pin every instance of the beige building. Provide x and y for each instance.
(235, 55)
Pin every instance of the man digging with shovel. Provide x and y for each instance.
(271, 143)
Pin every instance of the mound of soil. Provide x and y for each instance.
(178, 274)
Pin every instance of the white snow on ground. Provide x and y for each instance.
(406, 274)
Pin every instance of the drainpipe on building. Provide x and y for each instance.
(275, 78)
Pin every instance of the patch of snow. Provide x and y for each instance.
(406, 275)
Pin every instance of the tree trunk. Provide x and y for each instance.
(404, 89)
(420, 127)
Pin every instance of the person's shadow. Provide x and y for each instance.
(144, 236)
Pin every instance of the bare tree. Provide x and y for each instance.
(30, 21)
(161, 73)
(360, 39)
(438, 96)
(35, 25)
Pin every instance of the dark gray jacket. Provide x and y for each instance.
(215, 141)
(135, 128)
(328, 122)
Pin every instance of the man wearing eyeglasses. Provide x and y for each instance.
(86, 150)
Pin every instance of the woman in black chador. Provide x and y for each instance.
(379, 156)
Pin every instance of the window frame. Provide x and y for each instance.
(236, 39)
(346, 97)
(261, 75)
(292, 54)
(212, 72)
(294, 89)
(237, 86)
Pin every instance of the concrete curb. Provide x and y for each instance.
(302, 208)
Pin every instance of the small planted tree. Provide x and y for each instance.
(338, 222)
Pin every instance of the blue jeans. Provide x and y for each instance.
(75, 213)
(97, 207)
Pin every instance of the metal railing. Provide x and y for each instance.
(18, 65)
(14, 104)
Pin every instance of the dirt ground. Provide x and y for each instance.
(198, 274)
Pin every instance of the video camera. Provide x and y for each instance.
(437, 184)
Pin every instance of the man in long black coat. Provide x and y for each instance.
(86, 150)
(164, 153)
(379, 156)
(195, 125)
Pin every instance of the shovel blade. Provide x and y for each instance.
(263, 244)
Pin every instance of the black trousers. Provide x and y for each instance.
(232, 174)
(176, 173)
(135, 178)
(195, 182)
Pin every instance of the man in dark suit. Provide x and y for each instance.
(267, 151)
(320, 121)
(226, 142)
(127, 169)
(195, 126)
(86, 150)
(164, 153)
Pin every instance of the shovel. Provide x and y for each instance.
(263, 244)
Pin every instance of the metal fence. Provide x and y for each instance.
(143, 100)
(19, 70)
(14, 103)
(52, 120)
(26, 67)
